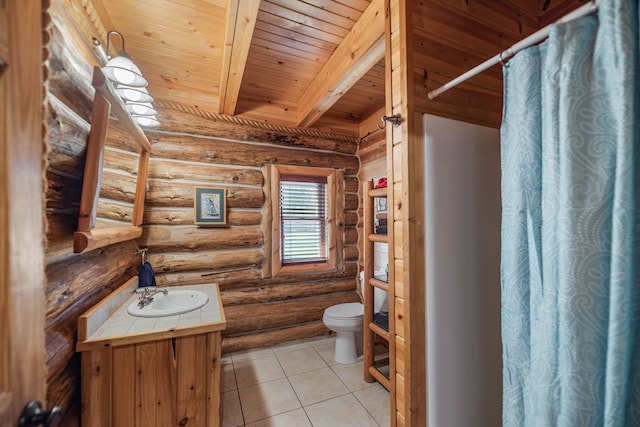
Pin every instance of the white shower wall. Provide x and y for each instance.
(462, 209)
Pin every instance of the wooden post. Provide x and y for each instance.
(141, 188)
(267, 218)
(406, 222)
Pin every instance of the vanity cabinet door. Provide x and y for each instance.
(167, 382)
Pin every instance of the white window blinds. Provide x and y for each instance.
(303, 221)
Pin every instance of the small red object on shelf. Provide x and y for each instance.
(382, 182)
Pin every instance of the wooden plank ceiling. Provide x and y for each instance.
(311, 63)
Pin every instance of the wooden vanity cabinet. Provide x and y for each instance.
(168, 382)
(151, 372)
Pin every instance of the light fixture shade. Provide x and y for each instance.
(134, 94)
(147, 121)
(120, 69)
(140, 109)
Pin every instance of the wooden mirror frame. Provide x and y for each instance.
(87, 238)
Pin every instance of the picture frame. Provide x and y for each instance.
(381, 204)
(210, 206)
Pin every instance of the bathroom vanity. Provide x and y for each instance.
(151, 371)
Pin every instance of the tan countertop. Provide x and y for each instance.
(108, 323)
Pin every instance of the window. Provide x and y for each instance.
(303, 220)
(305, 207)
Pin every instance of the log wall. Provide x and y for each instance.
(196, 149)
(191, 150)
(75, 282)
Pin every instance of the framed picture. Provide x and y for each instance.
(210, 206)
(381, 204)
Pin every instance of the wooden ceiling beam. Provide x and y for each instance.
(241, 21)
(360, 50)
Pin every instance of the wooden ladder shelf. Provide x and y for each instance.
(374, 370)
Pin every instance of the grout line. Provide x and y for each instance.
(235, 377)
(289, 381)
(365, 408)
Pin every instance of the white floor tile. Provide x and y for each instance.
(298, 384)
(256, 371)
(340, 411)
(267, 399)
(297, 418)
(322, 340)
(300, 361)
(376, 401)
(231, 410)
(289, 347)
(256, 353)
(227, 375)
(316, 386)
(327, 352)
(352, 376)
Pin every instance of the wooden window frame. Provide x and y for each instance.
(335, 205)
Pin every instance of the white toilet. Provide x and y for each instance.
(346, 320)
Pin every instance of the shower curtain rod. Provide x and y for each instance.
(534, 38)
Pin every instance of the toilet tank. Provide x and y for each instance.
(380, 297)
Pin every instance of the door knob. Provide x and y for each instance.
(33, 415)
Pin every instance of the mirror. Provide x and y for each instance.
(92, 232)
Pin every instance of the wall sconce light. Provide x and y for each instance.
(120, 69)
(129, 83)
(144, 109)
(133, 94)
(147, 121)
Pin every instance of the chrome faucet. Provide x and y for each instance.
(147, 294)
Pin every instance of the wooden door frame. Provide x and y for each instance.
(22, 278)
(405, 198)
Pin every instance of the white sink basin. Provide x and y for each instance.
(175, 302)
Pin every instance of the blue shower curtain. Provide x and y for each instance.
(571, 225)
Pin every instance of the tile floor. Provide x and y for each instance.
(298, 384)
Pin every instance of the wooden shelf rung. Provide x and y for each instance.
(380, 377)
(379, 331)
(379, 284)
(380, 238)
(378, 192)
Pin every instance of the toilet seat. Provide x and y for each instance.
(345, 311)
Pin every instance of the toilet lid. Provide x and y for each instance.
(345, 311)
